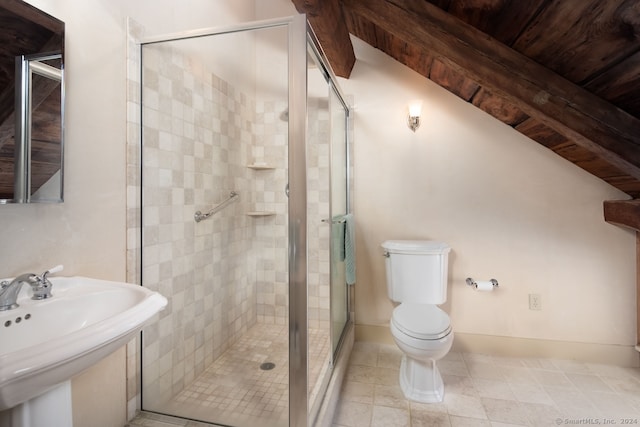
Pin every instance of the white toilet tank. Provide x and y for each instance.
(417, 270)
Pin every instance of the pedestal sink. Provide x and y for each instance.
(43, 344)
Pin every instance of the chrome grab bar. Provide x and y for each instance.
(199, 216)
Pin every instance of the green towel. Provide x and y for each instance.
(350, 248)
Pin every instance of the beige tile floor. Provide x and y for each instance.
(480, 390)
(483, 390)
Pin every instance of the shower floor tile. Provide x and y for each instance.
(234, 390)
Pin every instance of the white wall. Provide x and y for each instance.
(510, 209)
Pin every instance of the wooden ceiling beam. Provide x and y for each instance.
(623, 212)
(540, 93)
(327, 21)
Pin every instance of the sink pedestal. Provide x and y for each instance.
(52, 408)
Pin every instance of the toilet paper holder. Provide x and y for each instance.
(473, 283)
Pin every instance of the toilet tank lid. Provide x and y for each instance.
(416, 246)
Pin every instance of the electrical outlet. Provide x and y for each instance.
(535, 302)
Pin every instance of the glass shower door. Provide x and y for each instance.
(328, 117)
(327, 183)
(339, 209)
(216, 137)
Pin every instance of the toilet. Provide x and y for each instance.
(417, 273)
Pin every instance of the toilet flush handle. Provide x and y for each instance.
(386, 254)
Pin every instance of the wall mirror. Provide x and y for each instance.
(31, 104)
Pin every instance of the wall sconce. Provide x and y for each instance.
(413, 121)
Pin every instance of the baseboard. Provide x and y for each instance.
(612, 354)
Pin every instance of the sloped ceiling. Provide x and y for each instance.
(565, 73)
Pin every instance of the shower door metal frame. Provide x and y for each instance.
(297, 209)
(298, 313)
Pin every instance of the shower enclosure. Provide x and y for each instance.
(245, 188)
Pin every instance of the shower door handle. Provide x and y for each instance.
(286, 189)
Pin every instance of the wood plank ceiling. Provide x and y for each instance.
(565, 73)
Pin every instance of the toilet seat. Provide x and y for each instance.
(421, 321)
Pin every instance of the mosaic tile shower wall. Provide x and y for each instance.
(269, 179)
(198, 138)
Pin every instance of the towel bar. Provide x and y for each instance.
(335, 221)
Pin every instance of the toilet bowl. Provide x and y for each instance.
(423, 334)
(417, 279)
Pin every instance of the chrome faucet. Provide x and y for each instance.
(40, 285)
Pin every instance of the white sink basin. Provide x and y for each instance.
(44, 343)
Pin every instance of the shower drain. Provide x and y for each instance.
(267, 366)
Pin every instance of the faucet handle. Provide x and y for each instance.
(42, 290)
(52, 270)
